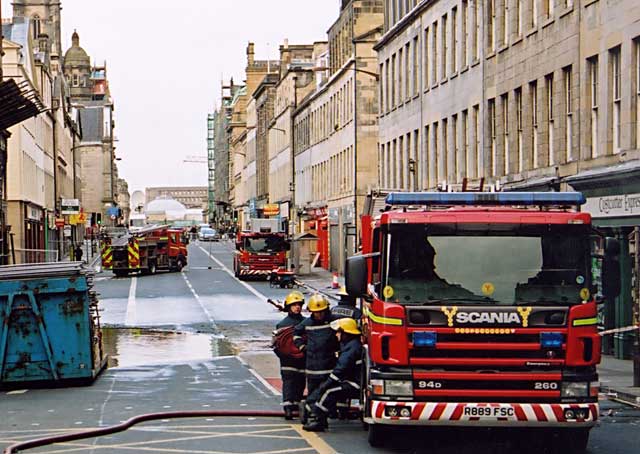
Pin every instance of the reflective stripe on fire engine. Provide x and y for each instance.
(134, 255)
(487, 414)
(382, 320)
(585, 321)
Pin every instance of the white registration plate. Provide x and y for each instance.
(473, 411)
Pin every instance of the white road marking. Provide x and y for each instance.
(17, 391)
(199, 300)
(130, 318)
(264, 382)
(230, 273)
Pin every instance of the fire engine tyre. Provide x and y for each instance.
(152, 268)
(377, 435)
(120, 273)
(180, 264)
(572, 441)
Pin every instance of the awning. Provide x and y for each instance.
(18, 102)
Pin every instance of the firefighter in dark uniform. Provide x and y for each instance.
(346, 307)
(344, 380)
(315, 337)
(291, 368)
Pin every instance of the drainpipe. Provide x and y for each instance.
(59, 238)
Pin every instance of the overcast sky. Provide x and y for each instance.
(165, 60)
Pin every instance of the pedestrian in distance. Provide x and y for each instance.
(315, 337)
(292, 360)
(346, 307)
(78, 253)
(343, 382)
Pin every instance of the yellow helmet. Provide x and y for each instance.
(348, 325)
(293, 298)
(318, 303)
(343, 291)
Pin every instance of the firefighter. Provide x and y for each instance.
(346, 307)
(343, 382)
(315, 337)
(291, 368)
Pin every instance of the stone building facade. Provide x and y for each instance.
(336, 129)
(189, 196)
(536, 95)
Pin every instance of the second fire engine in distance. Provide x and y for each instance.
(146, 251)
(481, 312)
(261, 250)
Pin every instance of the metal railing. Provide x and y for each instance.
(33, 256)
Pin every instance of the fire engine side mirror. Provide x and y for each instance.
(611, 269)
(356, 276)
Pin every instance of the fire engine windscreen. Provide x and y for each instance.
(269, 244)
(487, 264)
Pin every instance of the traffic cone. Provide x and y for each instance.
(335, 283)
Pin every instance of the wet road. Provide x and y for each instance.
(171, 337)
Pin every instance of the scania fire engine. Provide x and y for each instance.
(480, 311)
(260, 250)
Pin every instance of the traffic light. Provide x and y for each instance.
(99, 218)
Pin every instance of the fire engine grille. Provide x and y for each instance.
(494, 354)
(490, 338)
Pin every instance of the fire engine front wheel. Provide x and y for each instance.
(572, 441)
(377, 435)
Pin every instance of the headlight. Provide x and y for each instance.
(398, 387)
(578, 389)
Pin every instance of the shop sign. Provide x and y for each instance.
(613, 206)
(34, 213)
(67, 231)
(271, 209)
(284, 210)
(70, 206)
(59, 223)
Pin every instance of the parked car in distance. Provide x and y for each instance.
(208, 234)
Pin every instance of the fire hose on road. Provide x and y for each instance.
(30, 444)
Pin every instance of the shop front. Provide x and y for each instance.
(613, 199)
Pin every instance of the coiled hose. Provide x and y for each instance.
(30, 444)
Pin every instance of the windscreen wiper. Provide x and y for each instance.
(542, 303)
(459, 300)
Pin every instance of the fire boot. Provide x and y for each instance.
(316, 423)
(288, 413)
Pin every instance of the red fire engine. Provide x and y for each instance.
(260, 250)
(146, 251)
(480, 311)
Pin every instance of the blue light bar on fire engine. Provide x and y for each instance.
(486, 198)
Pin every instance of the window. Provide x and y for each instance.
(415, 160)
(393, 81)
(533, 7)
(454, 40)
(426, 158)
(456, 158)
(637, 90)
(614, 56)
(416, 65)
(445, 150)
(406, 159)
(36, 26)
(434, 48)
(548, 8)
(75, 80)
(407, 71)
(505, 22)
(504, 100)
(491, 25)
(443, 68)
(492, 135)
(464, 160)
(533, 90)
(592, 65)
(394, 166)
(477, 40)
(436, 152)
(550, 112)
(476, 141)
(426, 56)
(400, 76)
(568, 103)
(519, 6)
(383, 81)
(518, 96)
(463, 33)
(387, 81)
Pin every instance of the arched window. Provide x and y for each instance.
(36, 26)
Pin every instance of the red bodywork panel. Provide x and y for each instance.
(259, 261)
